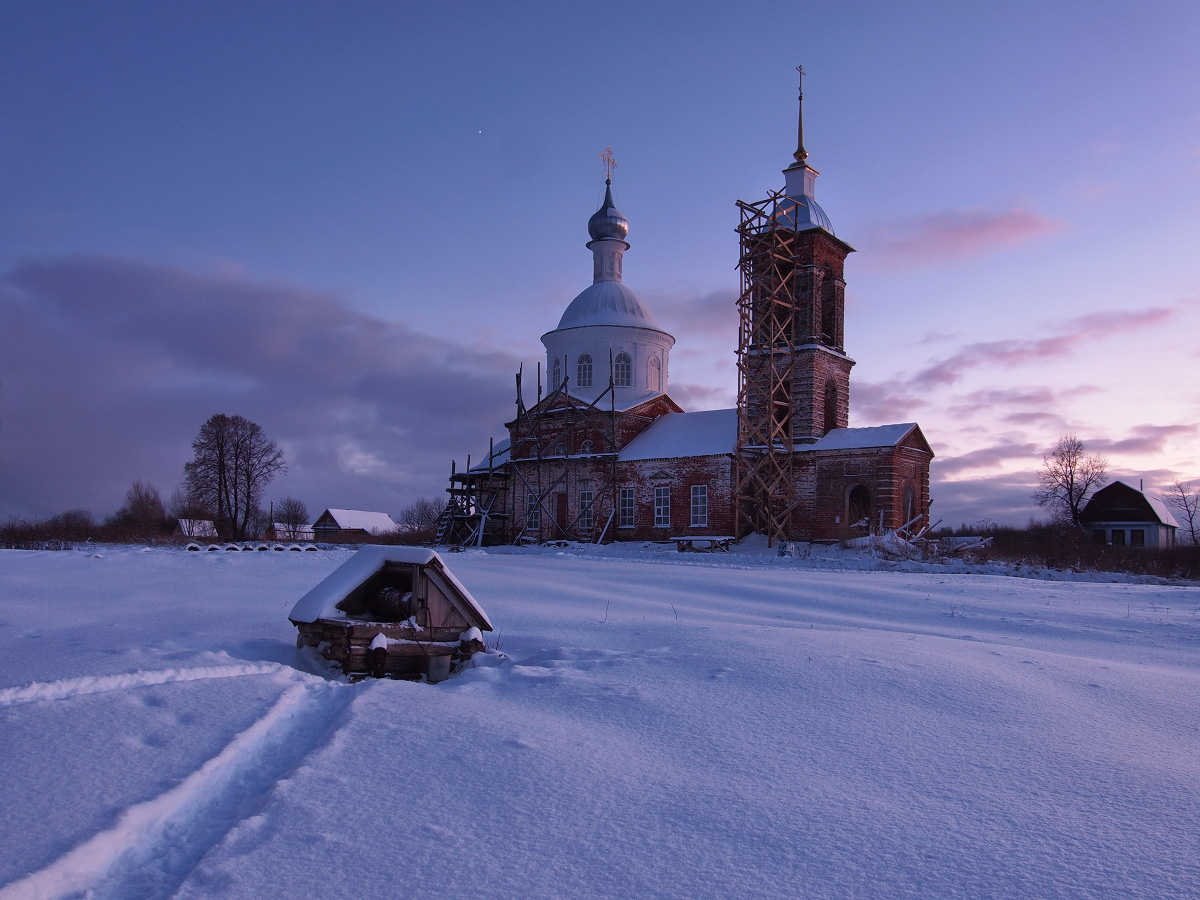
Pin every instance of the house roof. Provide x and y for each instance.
(714, 432)
(1105, 506)
(321, 602)
(357, 519)
(709, 433)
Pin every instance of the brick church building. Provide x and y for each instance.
(603, 453)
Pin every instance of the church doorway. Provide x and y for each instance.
(560, 513)
(858, 512)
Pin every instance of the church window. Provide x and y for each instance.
(662, 506)
(587, 448)
(699, 505)
(910, 504)
(623, 370)
(831, 406)
(533, 513)
(654, 374)
(626, 508)
(556, 376)
(560, 449)
(586, 517)
(584, 378)
(828, 312)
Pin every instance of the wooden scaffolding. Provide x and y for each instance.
(765, 490)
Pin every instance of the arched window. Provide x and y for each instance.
(586, 448)
(858, 508)
(556, 375)
(654, 374)
(623, 370)
(910, 505)
(831, 406)
(584, 376)
(561, 449)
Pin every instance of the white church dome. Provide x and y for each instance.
(607, 303)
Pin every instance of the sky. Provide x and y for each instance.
(351, 223)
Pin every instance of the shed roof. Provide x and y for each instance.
(321, 602)
(357, 519)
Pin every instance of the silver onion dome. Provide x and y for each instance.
(607, 221)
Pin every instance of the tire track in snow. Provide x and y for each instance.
(154, 845)
(98, 684)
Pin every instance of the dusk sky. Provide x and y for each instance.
(351, 223)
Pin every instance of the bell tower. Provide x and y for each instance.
(793, 371)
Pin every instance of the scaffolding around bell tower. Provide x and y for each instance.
(764, 481)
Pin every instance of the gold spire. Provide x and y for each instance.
(801, 154)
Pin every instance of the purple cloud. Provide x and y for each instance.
(1016, 352)
(108, 368)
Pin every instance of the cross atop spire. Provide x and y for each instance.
(610, 163)
(801, 154)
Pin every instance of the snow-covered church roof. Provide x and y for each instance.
(714, 432)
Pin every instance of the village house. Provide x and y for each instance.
(605, 453)
(1124, 516)
(351, 525)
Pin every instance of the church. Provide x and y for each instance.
(602, 453)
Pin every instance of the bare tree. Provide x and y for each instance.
(292, 514)
(420, 518)
(143, 511)
(1186, 500)
(1067, 478)
(233, 464)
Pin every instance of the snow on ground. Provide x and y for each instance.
(662, 725)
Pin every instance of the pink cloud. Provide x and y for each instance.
(1015, 352)
(953, 235)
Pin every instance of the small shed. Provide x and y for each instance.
(195, 528)
(344, 525)
(1123, 516)
(281, 531)
(392, 611)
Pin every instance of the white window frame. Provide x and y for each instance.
(699, 505)
(662, 506)
(587, 448)
(627, 506)
(533, 513)
(556, 375)
(587, 510)
(623, 370)
(654, 374)
(584, 371)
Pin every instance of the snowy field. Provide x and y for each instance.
(662, 725)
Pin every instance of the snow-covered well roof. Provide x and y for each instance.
(321, 602)
(709, 433)
(862, 438)
(354, 519)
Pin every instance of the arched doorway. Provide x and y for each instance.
(858, 509)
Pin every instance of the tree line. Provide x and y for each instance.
(233, 462)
